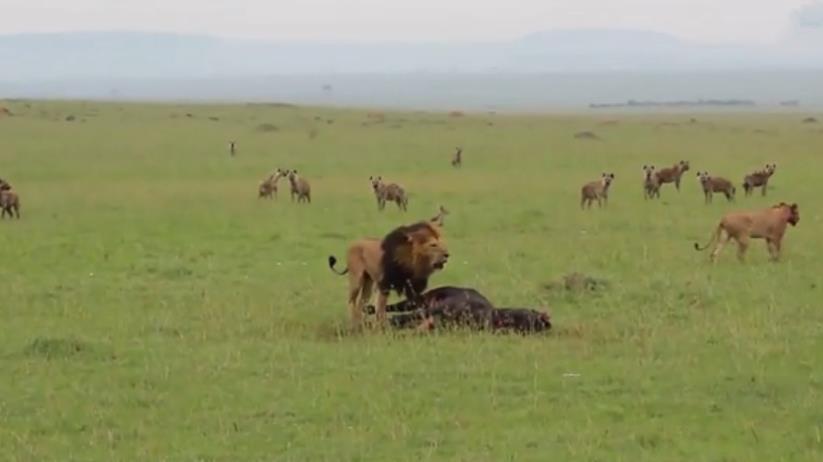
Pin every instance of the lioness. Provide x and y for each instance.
(299, 187)
(672, 174)
(758, 179)
(596, 190)
(402, 262)
(268, 186)
(391, 192)
(768, 224)
(713, 184)
(9, 203)
(651, 186)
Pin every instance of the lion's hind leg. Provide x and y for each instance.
(359, 292)
(774, 249)
(718, 246)
(742, 246)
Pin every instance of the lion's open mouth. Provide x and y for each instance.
(440, 265)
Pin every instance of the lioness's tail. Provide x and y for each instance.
(332, 262)
(714, 238)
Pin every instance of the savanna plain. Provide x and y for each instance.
(153, 308)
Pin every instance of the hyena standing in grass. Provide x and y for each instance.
(391, 192)
(715, 184)
(268, 187)
(299, 187)
(759, 179)
(672, 174)
(651, 186)
(232, 148)
(457, 158)
(596, 190)
(9, 201)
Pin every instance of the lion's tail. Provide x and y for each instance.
(714, 238)
(332, 262)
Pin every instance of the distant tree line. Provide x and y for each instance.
(699, 102)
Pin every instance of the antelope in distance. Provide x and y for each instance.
(457, 158)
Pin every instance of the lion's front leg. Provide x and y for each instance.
(380, 309)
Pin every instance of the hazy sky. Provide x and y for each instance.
(759, 21)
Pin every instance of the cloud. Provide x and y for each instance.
(809, 16)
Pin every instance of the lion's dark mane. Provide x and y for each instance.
(398, 276)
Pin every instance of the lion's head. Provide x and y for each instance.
(792, 212)
(410, 255)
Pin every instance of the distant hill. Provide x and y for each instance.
(139, 55)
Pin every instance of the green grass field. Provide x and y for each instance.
(153, 308)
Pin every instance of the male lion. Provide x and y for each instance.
(402, 262)
(768, 224)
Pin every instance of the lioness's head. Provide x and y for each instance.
(792, 212)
